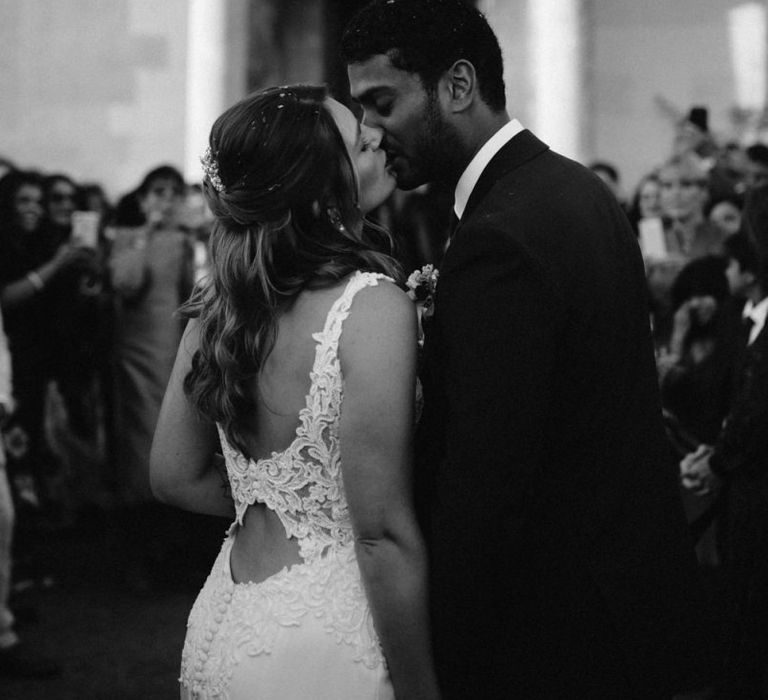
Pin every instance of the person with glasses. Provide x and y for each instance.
(79, 318)
(60, 202)
(32, 272)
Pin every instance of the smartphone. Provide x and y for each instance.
(85, 228)
(652, 241)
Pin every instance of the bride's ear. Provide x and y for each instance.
(458, 86)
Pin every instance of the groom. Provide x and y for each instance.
(560, 564)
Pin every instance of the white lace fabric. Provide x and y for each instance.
(303, 483)
(237, 632)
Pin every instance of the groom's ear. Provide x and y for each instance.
(459, 85)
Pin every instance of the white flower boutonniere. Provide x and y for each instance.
(422, 285)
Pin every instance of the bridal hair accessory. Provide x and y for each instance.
(334, 216)
(211, 169)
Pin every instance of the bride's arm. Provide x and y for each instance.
(184, 471)
(378, 360)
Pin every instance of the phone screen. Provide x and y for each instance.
(652, 242)
(85, 228)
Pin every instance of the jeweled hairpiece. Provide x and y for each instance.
(211, 169)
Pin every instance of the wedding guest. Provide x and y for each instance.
(77, 310)
(743, 270)
(16, 660)
(93, 198)
(647, 197)
(31, 272)
(738, 463)
(645, 203)
(696, 372)
(757, 165)
(79, 329)
(609, 174)
(692, 136)
(151, 271)
(197, 219)
(683, 195)
(60, 197)
(727, 178)
(725, 214)
(686, 234)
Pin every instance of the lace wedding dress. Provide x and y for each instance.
(306, 632)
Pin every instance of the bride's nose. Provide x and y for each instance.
(372, 136)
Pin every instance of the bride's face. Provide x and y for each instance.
(375, 182)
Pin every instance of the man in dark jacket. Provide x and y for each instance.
(560, 562)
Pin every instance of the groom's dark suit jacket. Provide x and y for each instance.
(560, 561)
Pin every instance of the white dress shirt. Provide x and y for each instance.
(474, 170)
(757, 314)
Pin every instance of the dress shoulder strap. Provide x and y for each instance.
(328, 339)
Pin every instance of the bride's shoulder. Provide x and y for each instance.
(378, 293)
(382, 318)
(365, 293)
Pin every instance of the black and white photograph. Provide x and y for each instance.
(383, 349)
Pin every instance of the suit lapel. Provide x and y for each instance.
(518, 150)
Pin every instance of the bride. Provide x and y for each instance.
(298, 364)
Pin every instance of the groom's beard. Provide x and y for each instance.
(438, 152)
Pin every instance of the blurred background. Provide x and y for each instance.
(101, 89)
(105, 109)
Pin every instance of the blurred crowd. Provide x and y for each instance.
(701, 220)
(88, 295)
(89, 289)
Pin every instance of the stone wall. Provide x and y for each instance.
(98, 88)
(94, 88)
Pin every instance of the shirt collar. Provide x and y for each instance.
(474, 170)
(757, 313)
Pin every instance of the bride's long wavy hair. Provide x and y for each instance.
(283, 191)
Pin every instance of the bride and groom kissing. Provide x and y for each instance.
(532, 544)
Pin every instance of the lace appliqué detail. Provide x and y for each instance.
(303, 484)
(230, 622)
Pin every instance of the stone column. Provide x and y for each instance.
(556, 67)
(217, 44)
(543, 45)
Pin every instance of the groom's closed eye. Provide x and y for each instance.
(384, 107)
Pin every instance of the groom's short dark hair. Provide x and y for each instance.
(426, 37)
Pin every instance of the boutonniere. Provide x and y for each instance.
(422, 285)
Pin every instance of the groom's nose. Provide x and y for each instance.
(369, 118)
(372, 136)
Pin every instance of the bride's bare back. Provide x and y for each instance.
(262, 548)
